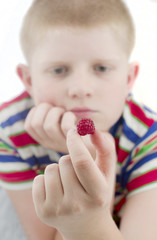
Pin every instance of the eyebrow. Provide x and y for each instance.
(95, 60)
(50, 63)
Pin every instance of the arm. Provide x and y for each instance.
(33, 227)
(139, 219)
(145, 213)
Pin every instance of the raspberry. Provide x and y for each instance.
(85, 126)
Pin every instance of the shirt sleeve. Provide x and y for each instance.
(141, 172)
(15, 173)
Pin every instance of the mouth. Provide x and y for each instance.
(83, 112)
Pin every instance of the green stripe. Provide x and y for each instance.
(29, 145)
(4, 146)
(16, 134)
(145, 148)
(124, 149)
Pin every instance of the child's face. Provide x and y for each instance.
(83, 71)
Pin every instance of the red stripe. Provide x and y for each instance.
(146, 143)
(142, 180)
(122, 154)
(18, 176)
(138, 113)
(117, 144)
(119, 205)
(17, 99)
(23, 140)
(7, 150)
(150, 140)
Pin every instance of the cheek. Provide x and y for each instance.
(114, 100)
(118, 97)
(43, 93)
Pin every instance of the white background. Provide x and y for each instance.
(145, 17)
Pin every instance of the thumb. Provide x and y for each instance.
(105, 153)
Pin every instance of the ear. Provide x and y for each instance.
(23, 73)
(132, 75)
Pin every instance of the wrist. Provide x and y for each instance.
(99, 230)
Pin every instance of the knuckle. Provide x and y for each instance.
(82, 163)
(51, 168)
(36, 124)
(69, 208)
(99, 200)
(64, 160)
(67, 121)
(65, 129)
(48, 127)
(44, 212)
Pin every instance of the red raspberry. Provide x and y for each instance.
(85, 126)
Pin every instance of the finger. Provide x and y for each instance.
(91, 148)
(53, 184)
(34, 123)
(38, 192)
(106, 153)
(39, 118)
(27, 124)
(52, 124)
(68, 122)
(106, 159)
(86, 170)
(70, 182)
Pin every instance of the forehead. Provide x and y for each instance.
(62, 42)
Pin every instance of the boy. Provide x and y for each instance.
(78, 66)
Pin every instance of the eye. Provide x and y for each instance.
(101, 68)
(60, 70)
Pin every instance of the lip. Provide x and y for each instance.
(83, 112)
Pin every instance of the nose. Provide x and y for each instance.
(80, 89)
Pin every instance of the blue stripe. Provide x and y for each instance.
(149, 110)
(32, 161)
(61, 154)
(15, 118)
(129, 133)
(45, 160)
(114, 128)
(143, 161)
(126, 174)
(11, 147)
(150, 131)
(9, 158)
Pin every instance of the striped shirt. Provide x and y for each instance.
(135, 133)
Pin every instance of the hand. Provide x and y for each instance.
(75, 196)
(48, 125)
